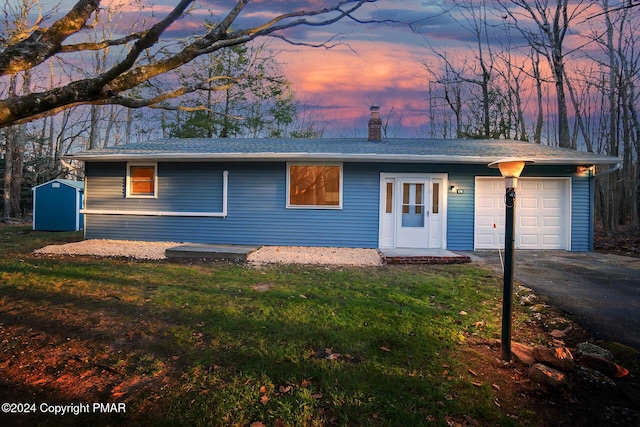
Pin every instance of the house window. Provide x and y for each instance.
(142, 180)
(314, 186)
(435, 203)
(389, 198)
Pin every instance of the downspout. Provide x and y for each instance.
(225, 192)
(78, 207)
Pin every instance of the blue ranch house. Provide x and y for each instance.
(353, 192)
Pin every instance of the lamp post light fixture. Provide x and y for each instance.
(510, 169)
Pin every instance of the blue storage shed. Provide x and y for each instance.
(57, 204)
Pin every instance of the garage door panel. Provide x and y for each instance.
(552, 185)
(487, 240)
(529, 221)
(488, 184)
(551, 221)
(529, 203)
(542, 213)
(528, 185)
(528, 240)
(486, 221)
(551, 240)
(488, 203)
(551, 203)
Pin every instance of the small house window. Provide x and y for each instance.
(389, 201)
(314, 186)
(435, 203)
(142, 180)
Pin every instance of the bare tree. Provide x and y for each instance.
(473, 18)
(610, 84)
(551, 21)
(147, 56)
(16, 26)
(450, 86)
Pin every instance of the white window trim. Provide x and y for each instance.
(155, 181)
(288, 201)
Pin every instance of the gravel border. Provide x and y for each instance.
(264, 255)
(316, 255)
(110, 248)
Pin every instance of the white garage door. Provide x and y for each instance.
(542, 213)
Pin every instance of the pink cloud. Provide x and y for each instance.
(347, 80)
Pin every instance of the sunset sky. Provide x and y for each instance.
(370, 64)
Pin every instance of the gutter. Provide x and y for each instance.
(615, 167)
(304, 156)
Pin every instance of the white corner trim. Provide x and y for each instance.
(223, 214)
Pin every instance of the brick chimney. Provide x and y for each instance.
(375, 124)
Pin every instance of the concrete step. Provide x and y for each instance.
(211, 252)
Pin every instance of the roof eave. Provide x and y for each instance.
(408, 158)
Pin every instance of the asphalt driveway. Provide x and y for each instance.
(599, 291)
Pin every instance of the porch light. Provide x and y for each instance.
(585, 169)
(510, 169)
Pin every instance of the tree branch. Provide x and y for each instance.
(102, 44)
(129, 73)
(44, 43)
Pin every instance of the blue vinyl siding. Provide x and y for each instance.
(460, 208)
(257, 212)
(581, 214)
(189, 187)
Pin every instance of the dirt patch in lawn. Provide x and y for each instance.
(58, 355)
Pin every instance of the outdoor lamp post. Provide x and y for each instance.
(510, 170)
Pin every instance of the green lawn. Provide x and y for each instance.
(228, 344)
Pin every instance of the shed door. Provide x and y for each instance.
(542, 213)
(55, 208)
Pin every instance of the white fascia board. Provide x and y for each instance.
(52, 181)
(373, 157)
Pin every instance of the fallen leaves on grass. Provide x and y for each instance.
(284, 389)
(331, 355)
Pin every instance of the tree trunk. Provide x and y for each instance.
(8, 169)
(564, 136)
(535, 62)
(94, 129)
(17, 176)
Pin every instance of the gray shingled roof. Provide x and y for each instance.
(345, 149)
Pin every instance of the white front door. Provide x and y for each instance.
(412, 221)
(412, 211)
